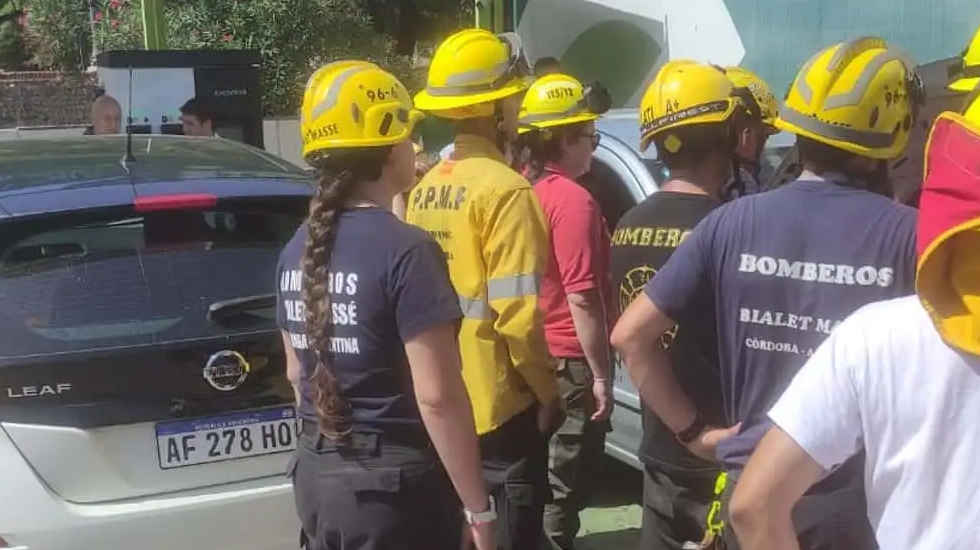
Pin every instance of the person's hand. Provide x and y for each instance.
(551, 415)
(602, 390)
(482, 536)
(705, 444)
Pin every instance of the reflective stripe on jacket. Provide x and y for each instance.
(488, 221)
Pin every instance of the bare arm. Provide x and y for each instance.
(589, 316)
(777, 475)
(637, 337)
(433, 357)
(293, 367)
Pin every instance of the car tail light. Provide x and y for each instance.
(179, 201)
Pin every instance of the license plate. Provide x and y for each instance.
(226, 437)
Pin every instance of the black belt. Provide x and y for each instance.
(367, 440)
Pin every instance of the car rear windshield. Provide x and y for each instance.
(126, 279)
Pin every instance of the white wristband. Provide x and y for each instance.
(480, 518)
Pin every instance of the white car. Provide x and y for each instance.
(143, 398)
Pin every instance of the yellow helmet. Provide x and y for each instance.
(355, 104)
(968, 75)
(559, 99)
(859, 96)
(760, 91)
(685, 92)
(470, 70)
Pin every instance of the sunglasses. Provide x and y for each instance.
(596, 137)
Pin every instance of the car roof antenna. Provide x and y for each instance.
(129, 127)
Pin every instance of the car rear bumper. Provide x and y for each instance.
(257, 514)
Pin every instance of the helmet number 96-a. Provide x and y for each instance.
(380, 94)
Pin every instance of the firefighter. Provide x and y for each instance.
(899, 378)
(782, 268)
(368, 319)
(557, 120)
(488, 222)
(692, 115)
(753, 131)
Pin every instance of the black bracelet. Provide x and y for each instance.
(691, 432)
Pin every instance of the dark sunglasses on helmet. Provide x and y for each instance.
(518, 65)
(596, 98)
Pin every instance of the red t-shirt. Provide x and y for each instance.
(579, 256)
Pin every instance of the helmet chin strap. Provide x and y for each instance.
(502, 138)
(736, 187)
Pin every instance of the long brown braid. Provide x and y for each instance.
(338, 177)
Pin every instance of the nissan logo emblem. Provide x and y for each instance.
(226, 370)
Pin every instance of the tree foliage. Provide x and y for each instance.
(13, 52)
(293, 36)
(58, 34)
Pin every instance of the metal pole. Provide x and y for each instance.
(95, 44)
(482, 10)
(154, 25)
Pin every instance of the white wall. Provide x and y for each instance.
(281, 137)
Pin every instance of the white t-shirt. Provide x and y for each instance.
(885, 381)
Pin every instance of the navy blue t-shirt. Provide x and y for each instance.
(387, 282)
(785, 267)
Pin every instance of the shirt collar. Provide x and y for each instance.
(471, 145)
(835, 177)
(553, 168)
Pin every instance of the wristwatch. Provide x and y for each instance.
(480, 518)
(691, 432)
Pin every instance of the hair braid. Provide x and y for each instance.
(339, 176)
(325, 208)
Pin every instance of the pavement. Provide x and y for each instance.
(613, 519)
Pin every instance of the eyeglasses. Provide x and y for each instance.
(596, 137)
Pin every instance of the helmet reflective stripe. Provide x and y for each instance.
(577, 109)
(353, 103)
(860, 96)
(470, 70)
(462, 83)
(854, 96)
(467, 78)
(690, 112)
(802, 86)
(860, 137)
(854, 47)
(334, 92)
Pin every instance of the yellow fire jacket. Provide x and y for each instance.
(488, 221)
